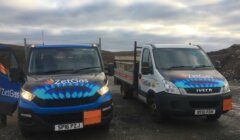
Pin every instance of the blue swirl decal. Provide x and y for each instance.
(199, 83)
(66, 91)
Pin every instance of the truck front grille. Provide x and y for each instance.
(65, 102)
(202, 90)
(62, 118)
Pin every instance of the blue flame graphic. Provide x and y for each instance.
(66, 91)
(199, 83)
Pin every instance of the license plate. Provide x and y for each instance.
(70, 126)
(205, 112)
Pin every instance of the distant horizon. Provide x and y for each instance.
(105, 49)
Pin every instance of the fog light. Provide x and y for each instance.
(26, 115)
(106, 108)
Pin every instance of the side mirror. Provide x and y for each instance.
(146, 69)
(15, 74)
(217, 65)
(109, 70)
(106, 71)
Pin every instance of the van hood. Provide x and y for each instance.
(65, 86)
(195, 78)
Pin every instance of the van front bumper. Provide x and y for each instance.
(44, 119)
(174, 104)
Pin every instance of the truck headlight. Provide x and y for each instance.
(27, 95)
(170, 87)
(225, 88)
(103, 90)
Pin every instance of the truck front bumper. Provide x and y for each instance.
(187, 104)
(34, 119)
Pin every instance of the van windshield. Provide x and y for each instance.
(64, 60)
(181, 58)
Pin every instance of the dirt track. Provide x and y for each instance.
(131, 121)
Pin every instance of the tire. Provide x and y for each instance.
(155, 113)
(3, 119)
(25, 133)
(214, 117)
(116, 81)
(122, 92)
(126, 91)
(106, 126)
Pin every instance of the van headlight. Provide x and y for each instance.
(103, 90)
(225, 88)
(170, 87)
(27, 95)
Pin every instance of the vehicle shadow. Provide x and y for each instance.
(87, 133)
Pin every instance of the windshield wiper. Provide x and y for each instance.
(78, 70)
(177, 67)
(56, 71)
(202, 66)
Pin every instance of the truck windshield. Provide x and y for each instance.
(64, 60)
(181, 58)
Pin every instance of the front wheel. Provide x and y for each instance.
(3, 119)
(25, 133)
(126, 92)
(106, 126)
(155, 113)
(214, 117)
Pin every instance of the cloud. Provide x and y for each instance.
(213, 22)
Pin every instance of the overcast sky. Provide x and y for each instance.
(215, 24)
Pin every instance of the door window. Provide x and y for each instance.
(4, 62)
(13, 62)
(146, 59)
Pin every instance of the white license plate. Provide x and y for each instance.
(70, 126)
(204, 112)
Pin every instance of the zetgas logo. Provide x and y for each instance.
(9, 93)
(199, 76)
(67, 81)
(194, 76)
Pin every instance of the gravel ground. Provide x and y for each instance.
(132, 121)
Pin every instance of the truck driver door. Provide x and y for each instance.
(145, 72)
(9, 87)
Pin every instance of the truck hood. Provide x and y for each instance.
(65, 86)
(195, 78)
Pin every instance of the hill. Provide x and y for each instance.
(230, 61)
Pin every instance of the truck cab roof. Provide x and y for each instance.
(64, 46)
(171, 46)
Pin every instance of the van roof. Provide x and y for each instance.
(174, 46)
(63, 46)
